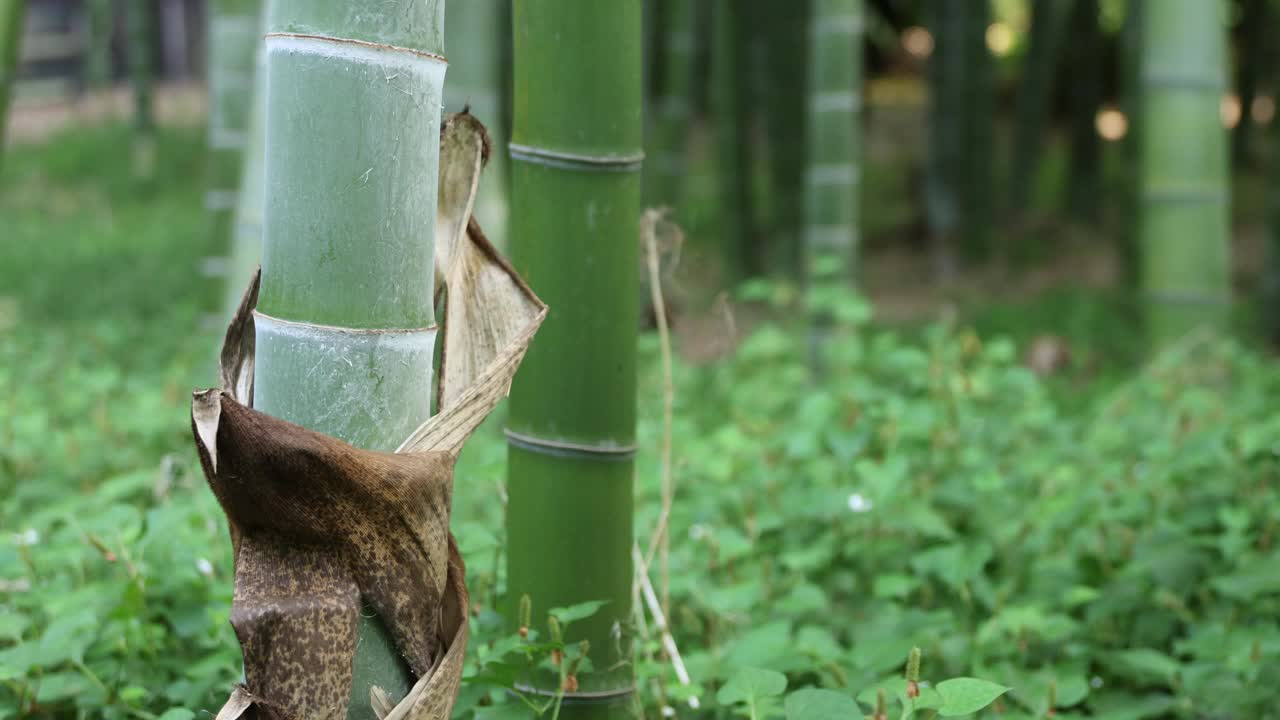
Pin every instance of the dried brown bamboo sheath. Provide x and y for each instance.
(320, 527)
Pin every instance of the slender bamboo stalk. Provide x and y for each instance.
(234, 34)
(786, 119)
(576, 164)
(1034, 92)
(477, 29)
(1254, 27)
(946, 125)
(1131, 99)
(98, 54)
(142, 45)
(728, 72)
(1185, 246)
(345, 323)
(670, 161)
(975, 171)
(12, 15)
(1085, 60)
(246, 238)
(834, 167)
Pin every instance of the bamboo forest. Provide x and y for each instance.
(639, 359)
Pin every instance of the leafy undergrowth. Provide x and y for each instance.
(1111, 554)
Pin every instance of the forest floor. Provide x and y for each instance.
(1102, 540)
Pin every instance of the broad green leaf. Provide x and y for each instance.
(177, 714)
(817, 704)
(580, 611)
(750, 685)
(965, 696)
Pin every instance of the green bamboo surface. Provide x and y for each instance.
(142, 47)
(235, 32)
(1084, 57)
(12, 14)
(946, 101)
(345, 332)
(477, 30)
(246, 237)
(1035, 89)
(834, 103)
(576, 184)
(98, 53)
(1185, 174)
(977, 143)
(669, 161)
(729, 108)
(1255, 36)
(1131, 105)
(786, 117)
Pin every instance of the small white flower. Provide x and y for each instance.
(858, 503)
(698, 532)
(15, 586)
(26, 538)
(1095, 682)
(668, 711)
(205, 567)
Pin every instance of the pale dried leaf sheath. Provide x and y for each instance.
(318, 524)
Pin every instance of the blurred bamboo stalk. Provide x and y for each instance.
(12, 16)
(1084, 57)
(1035, 89)
(1185, 210)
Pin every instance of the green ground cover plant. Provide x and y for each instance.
(1100, 545)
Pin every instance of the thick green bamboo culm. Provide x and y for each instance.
(477, 30)
(946, 124)
(12, 15)
(142, 48)
(1084, 57)
(235, 32)
(729, 108)
(1035, 88)
(669, 162)
(576, 185)
(345, 323)
(1185, 174)
(98, 53)
(977, 141)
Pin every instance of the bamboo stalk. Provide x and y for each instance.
(98, 54)
(946, 98)
(1252, 57)
(477, 30)
(834, 167)
(786, 119)
(345, 322)
(235, 32)
(1034, 92)
(1131, 89)
(1185, 223)
(977, 142)
(246, 238)
(728, 71)
(12, 15)
(576, 164)
(670, 162)
(142, 44)
(1084, 57)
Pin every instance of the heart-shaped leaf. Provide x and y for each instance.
(965, 696)
(817, 704)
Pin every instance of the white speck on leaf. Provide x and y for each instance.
(858, 503)
(205, 567)
(26, 538)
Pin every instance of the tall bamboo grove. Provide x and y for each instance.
(831, 180)
(12, 13)
(1185, 194)
(576, 159)
(142, 45)
(235, 31)
(345, 323)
